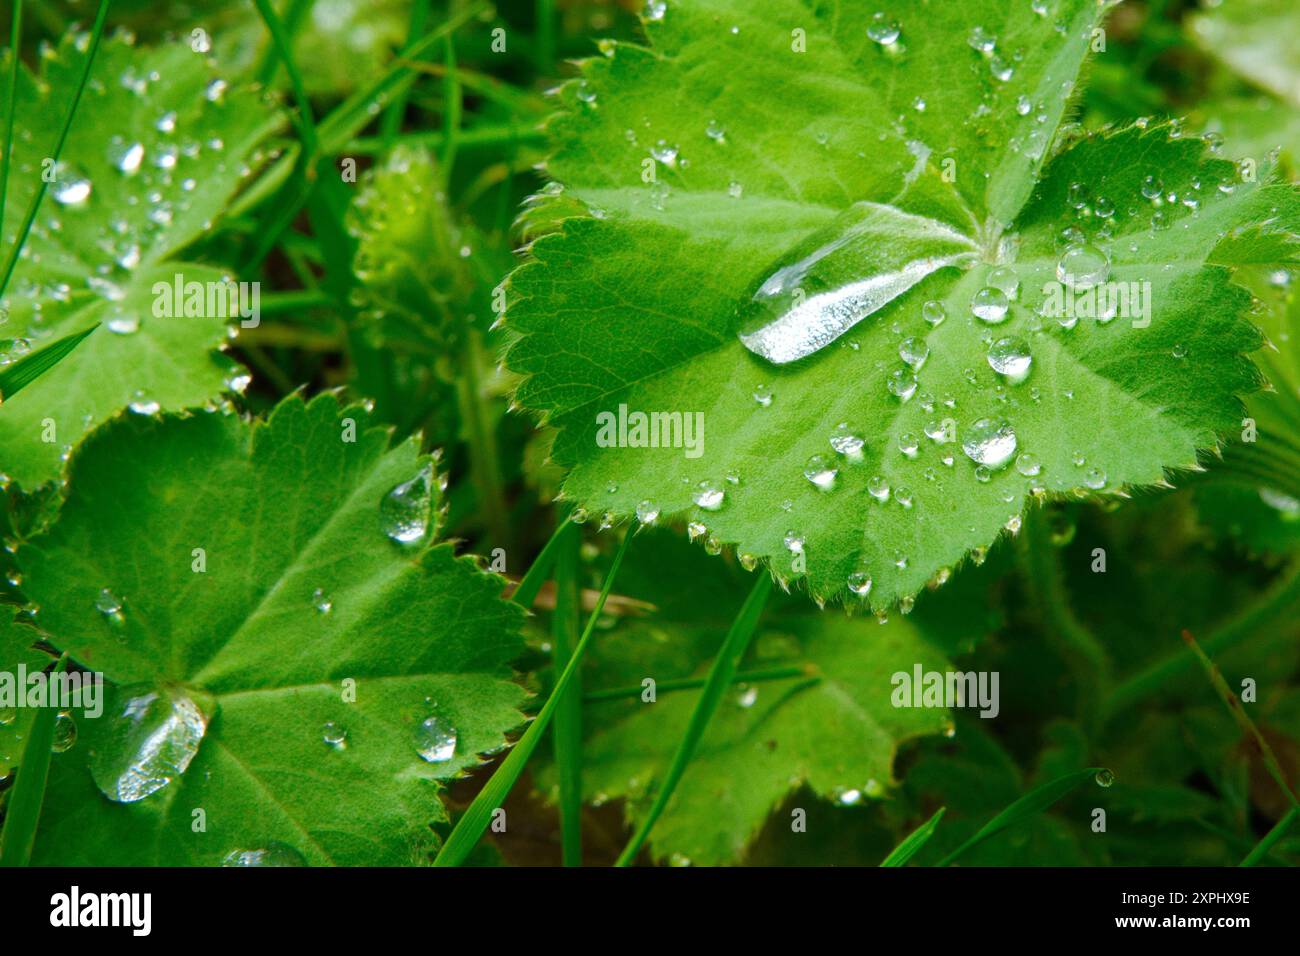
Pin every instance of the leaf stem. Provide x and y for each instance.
(720, 677)
(475, 819)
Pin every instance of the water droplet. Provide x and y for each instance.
(860, 583)
(1152, 187)
(990, 442)
(1027, 464)
(747, 697)
(990, 305)
(71, 189)
(435, 740)
(709, 495)
(847, 442)
(1010, 357)
(151, 738)
(110, 606)
(1179, 351)
(1082, 267)
(914, 352)
(748, 561)
(273, 854)
(715, 132)
(654, 10)
(793, 542)
(1104, 777)
(903, 496)
(821, 472)
(334, 735)
(981, 40)
(647, 512)
(1095, 479)
(321, 601)
(908, 444)
(735, 190)
(578, 515)
(841, 274)
(901, 383)
(665, 152)
(883, 29)
(126, 157)
(763, 395)
(1006, 279)
(404, 513)
(65, 733)
(934, 312)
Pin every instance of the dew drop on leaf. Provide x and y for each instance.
(709, 495)
(273, 854)
(435, 740)
(990, 442)
(990, 305)
(405, 511)
(151, 737)
(1083, 267)
(821, 472)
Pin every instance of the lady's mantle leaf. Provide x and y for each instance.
(715, 159)
(269, 580)
(156, 149)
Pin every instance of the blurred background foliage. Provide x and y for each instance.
(385, 286)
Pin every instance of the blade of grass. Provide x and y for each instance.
(915, 840)
(15, 36)
(283, 44)
(392, 122)
(1244, 723)
(12, 262)
(720, 677)
(567, 733)
(475, 820)
(525, 592)
(691, 683)
(28, 794)
(271, 58)
(1271, 838)
(1277, 611)
(26, 370)
(332, 133)
(453, 100)
(1031, 804)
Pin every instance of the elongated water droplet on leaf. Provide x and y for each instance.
(859, 263)
(404, 511)
(152, 736)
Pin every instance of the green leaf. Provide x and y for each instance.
(31, 367)
(640, 304)
(297, 592)
(831, 727)
(95, 256)
(1256, 38)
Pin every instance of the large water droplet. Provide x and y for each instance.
(883, 29)
(71, 189)
(152, 736)
(990, 305)
(273, 854)
(1010, 357)
(847, 442)
(404, 512)
(1082, 267)
(867, 257)
(990, 442)
(821, 472)
(647, 512)
(709, 495)
(110, 606)
(435, 740)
